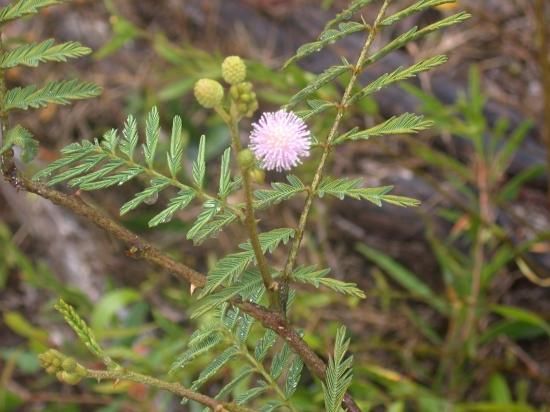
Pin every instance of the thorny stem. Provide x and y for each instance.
(328, 144)
(174, 387)
(250, 218)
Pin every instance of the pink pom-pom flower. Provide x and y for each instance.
(280, 140)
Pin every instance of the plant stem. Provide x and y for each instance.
(174, 387)
(328, 144)
(250, 218)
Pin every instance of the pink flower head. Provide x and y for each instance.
(279, 140)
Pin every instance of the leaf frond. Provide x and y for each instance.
(22, 8)
(35, 53)
(406, 123)
(58, 92)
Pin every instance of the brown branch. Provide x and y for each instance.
(141, 249)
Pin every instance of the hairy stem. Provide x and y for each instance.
(328, 144)
(174, 387)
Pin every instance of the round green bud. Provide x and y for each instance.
(51, 370)
(209, 93)
(246, 97)
(234, 92)
(233, 70)
(69, 364)
(246, 158)
(257, 175)
(70, 378)
(80, 370)
(244, 87)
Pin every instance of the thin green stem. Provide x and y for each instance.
(250, 218)
(342, 107)
(174, 387)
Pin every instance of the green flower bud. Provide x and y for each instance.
(246, 97)
(245, 87)
(246, 158)
(209, 93)
(50, 370)
(70, 378)
(234, 92)
(80, 370)
(257, 175)
(233, 70)
(69, 364)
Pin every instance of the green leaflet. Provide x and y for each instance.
(152, 134)
(22, 8)
(345, 187)
(21, 137)
(58, 92)
(348, 13)
(317, 278)
(177, 145)
(35, 53)
(199, 166)
(200, 344)
(327, 37)
(397, 75)
(280, 361)
(324, 78)
(412, 9)
(402, 124)
(83, 331)
(214, 366)
(230, 267)
(183, 198)
(129, 137)
(293, 376)
(264, 344)
(151, 192)
(339, 373)
(280, 191)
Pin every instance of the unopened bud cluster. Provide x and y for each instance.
(209, 93)
(65, 368)
(244, 98)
